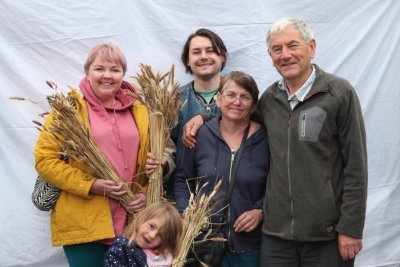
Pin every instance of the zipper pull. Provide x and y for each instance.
(303, 125)
(232, 159)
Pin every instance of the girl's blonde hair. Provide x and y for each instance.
(170, 231)
(107, 51)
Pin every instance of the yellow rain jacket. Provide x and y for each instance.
(81, 217)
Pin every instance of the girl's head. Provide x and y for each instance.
(159, 226)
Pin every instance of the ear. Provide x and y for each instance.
(218, 99)
(223, 59)
(313, 46)
(253, 108)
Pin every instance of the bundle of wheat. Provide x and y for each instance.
(195, 218)
(77, 142)
(159, 94)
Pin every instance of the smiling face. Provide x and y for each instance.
(291, 55)
(235, 102)
(203, 61)
(149, 235)
(105, 78)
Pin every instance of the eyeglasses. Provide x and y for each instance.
(231, 97)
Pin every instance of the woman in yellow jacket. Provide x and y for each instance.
(88, 215)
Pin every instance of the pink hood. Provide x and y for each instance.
(125, 100)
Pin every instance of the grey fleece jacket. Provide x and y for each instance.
(317, 184)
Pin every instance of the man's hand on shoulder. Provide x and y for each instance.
(190, 130)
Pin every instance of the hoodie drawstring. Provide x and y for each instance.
(118, 136)
(116, 133)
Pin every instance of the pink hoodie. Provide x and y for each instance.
(116, 134)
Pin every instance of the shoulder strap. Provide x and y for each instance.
(71, 102)
(235, 165)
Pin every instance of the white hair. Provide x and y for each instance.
(280, 25)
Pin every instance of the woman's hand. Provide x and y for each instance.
(107, 188)
(137, 204)
(152, 164)
(248, 221)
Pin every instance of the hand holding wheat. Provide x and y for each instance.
(159, 94)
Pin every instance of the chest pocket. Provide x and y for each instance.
(310, 123)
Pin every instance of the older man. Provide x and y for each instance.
(317, 187)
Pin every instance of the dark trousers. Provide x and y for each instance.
(278, 252)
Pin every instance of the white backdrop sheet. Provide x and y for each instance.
(49, 40)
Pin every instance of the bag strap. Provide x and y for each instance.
(235, 165)
(72, 102)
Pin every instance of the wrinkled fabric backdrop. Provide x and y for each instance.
(49, 40)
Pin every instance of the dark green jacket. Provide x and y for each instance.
(317, 184)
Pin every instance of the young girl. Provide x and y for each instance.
(152, 239)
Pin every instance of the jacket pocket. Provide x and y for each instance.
(310, 123)
(329, 211)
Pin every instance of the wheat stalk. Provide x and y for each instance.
(77, 142)
(22, 99)
(158, 92)
(195, 218)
